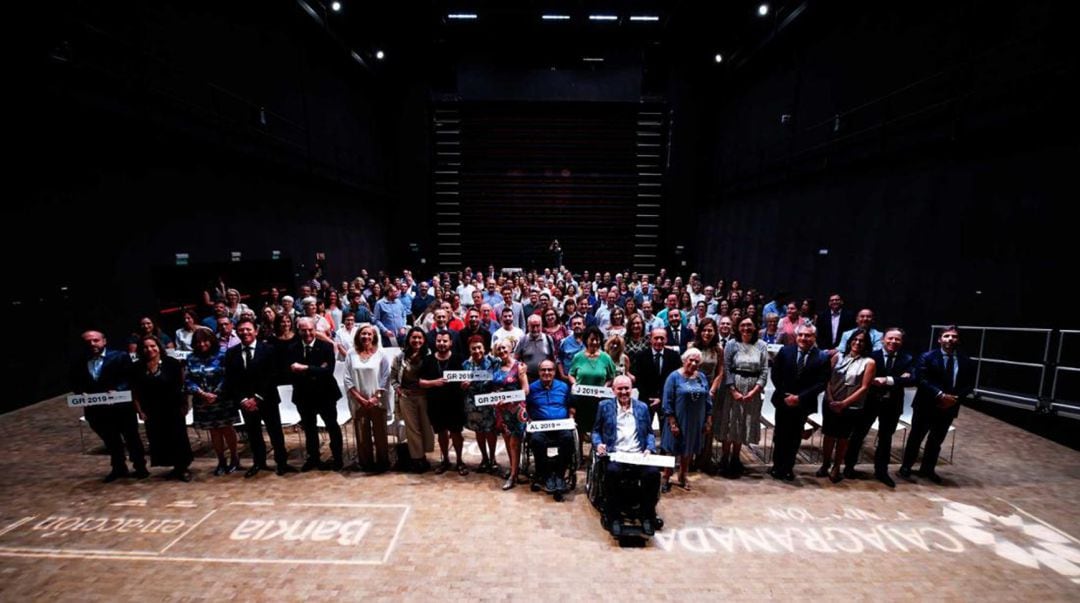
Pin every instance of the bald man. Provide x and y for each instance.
(99, 370)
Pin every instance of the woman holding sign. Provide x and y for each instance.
(511, 417)
(687, 415)
(591, 366)
(480, 419)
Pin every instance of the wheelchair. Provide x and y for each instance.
(527, 466)
(629, 518)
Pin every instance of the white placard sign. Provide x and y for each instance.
(178, 354)
(651, 460)
(552, 425)
(774, 347)
(515, 395)
(593, 391)
(80, 400)
(457, 376)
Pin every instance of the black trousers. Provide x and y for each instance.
(887, 413)
(118, 427)
(267, 413)
(787, 437)
(539, 443)
(935, 422)
(630, 486)
(309, 414)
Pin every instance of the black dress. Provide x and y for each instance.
(161, 397)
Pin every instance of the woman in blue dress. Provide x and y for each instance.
(687, 413)
(205, 374)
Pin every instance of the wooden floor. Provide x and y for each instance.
(1003, 527)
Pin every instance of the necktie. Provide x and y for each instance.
(658, 360)
(307, 350)
(95, 367)
(889, 363)
(950, 368)
(247, 355)
(675, 336)
(802, 362)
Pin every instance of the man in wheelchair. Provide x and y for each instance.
(626, 491)
(549, 400)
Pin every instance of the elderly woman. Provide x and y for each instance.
(367, 373)
(636, 337)
(845, 396)
(411, 401)
(234, 305)
(205, 374)
(771, 332)
(157, 387)
(687, 415)
(746, 362)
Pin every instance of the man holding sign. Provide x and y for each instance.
(549, 400)
(623, 425)
(98, 371)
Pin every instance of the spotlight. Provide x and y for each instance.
(644, 18)
(462, 16)
(555, 17)
(335, 6)
(603, 18)
(719, 58)
(763, 10)
(380, 55)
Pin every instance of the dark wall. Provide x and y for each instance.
(929, 153)
(144, 131)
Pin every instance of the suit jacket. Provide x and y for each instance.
(825, 333)
(685, 337)
(317, 385)
(114, 376)
(259, 379)
(932, 380)
(808, 385)
(894, 394)
(606, 430)
(649, 383)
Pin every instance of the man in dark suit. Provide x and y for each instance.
(945, 377)
(651, 368)
(677, 334)
(99, 371)
(626, 485)
(315, 393)
(251, 380)
(799, 374)
(472, 328)
(832, 324)
(441, 325)
(885, 403)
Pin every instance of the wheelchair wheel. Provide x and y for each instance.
(594, 482)
(571, 480)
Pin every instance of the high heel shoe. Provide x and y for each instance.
(511, 481)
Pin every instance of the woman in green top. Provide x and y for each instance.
(591, 366)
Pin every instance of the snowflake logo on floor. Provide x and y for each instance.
(1019, 537)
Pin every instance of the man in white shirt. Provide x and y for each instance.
(622, 425)
(507, 332)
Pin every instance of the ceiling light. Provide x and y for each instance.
(380, 55)
(555, 17)
(719, 58)
(603, 17)
(461, 16)
(335, 6)
(644, 18)
(763, 10)
(593, 59)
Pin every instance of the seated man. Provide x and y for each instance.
(549, 400)
(622, 425)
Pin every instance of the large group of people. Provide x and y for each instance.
(699, 366)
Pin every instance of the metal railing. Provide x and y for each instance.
(1034, 400)
(1068, 407)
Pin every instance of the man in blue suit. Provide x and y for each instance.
(799, 373)
(884, 404)
(945, 377)
(623, 425)
(98, 371)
